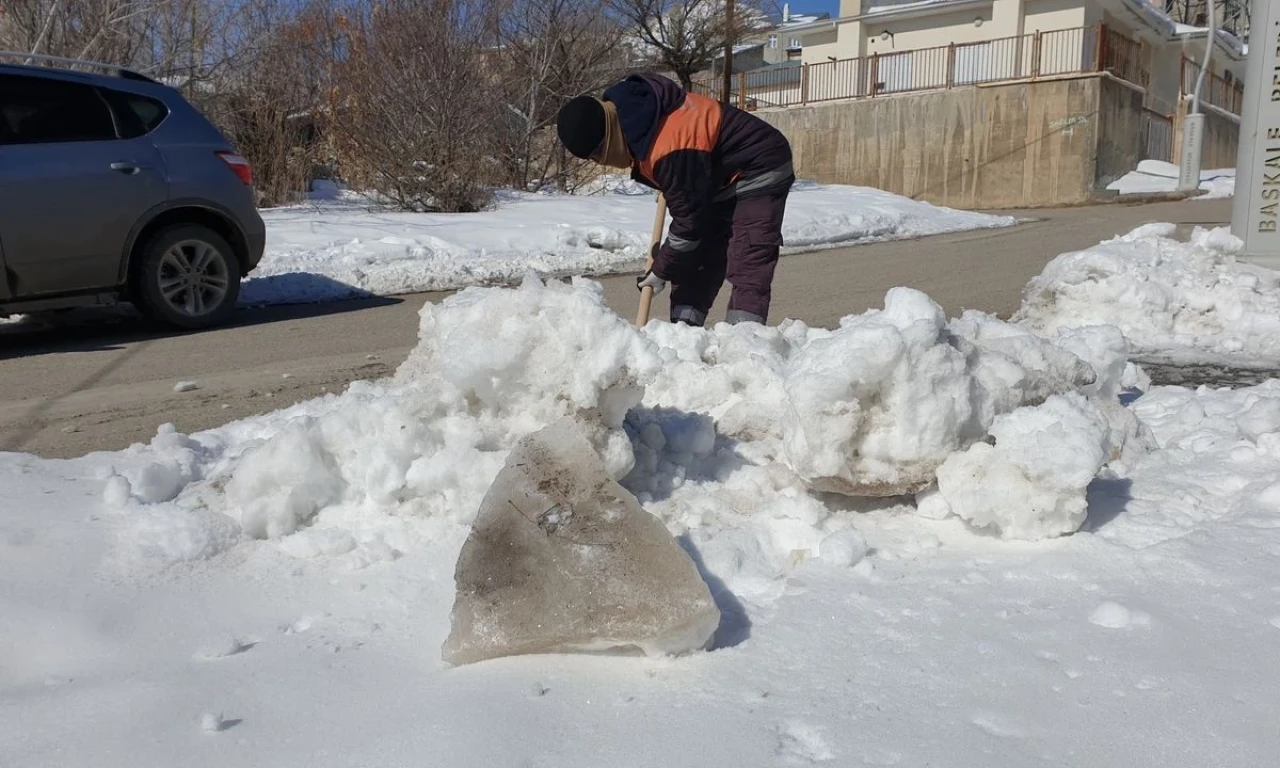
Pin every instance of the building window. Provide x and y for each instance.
(773, 41)
(795, 43)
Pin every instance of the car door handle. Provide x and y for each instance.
(128, 169)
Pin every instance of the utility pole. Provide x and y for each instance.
(728, 52)
(1255, 210)
(1193, 122)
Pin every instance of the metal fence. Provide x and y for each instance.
(1157, 136)
(1043, 54)
(1217, 91)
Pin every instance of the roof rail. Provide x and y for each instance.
(115, 69)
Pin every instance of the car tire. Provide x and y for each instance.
(187, 277)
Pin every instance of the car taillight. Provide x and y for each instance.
(239, 166)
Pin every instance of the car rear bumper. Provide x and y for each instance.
(255, 238)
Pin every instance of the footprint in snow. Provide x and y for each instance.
(1112, 615)
(213, 722)
(221, 649)
(997, 725)
(800, 743)
(882, 757)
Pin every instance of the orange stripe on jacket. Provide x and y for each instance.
(695, 125)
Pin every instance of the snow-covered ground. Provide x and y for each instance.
(1153, 176)
(341, 248)
(1183, 301)
(1089, 582)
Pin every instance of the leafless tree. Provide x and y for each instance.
(551, 51)
(244, 63)
(430, 103)
(684, 37)
(418, 98)
(258, 69)
(108, 30)
(268, 93)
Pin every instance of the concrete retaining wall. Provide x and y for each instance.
(1120, 129)
(1015, 145)
(1221, 138)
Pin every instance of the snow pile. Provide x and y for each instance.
(724, 433)
(1157, 176)
(335, 248)
(878, 404)
(486, 372)
(1190, 299)
(318, 544)
(1219, 460)
(218, 659)
(1031, 483)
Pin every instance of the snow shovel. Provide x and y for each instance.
(646, 293)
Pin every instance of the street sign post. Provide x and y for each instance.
(1192, 148)
(1255, 216)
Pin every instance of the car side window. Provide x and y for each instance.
(136, 115)
(37, 110)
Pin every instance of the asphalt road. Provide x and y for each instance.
(102, 381)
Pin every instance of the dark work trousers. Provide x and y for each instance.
(740, 241)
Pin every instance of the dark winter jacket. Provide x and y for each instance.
(696, 151)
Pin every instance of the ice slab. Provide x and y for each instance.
(562, 559)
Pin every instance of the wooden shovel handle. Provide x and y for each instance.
(646, 293)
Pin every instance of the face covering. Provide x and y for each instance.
(613, 152)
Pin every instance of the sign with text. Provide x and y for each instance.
(1256, 208)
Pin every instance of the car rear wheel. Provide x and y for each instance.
(188, 277)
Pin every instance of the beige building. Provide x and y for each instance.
(919, 44)
(944, 100)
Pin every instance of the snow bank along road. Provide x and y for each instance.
(1089, 582)
(98, 385)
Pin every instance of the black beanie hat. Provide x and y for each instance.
(581, 126)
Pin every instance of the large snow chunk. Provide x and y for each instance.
(1031, 483)
(283, 483)
(562, 559)
(538, 352)
(529, 356)
(1166, 296)
(1105, 348)
(1014, 367)
(878, 404)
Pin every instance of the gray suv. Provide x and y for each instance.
(113, 187)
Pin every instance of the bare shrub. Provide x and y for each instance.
(107, 30)
(256, 68)
(414, 112)
(429, 104)
(551, 51)
(685, 36)
(261, 77)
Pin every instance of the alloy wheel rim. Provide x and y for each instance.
(193, 277)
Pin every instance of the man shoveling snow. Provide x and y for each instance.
(725, 175)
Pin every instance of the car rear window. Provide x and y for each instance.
(37, 110)
(138, 115)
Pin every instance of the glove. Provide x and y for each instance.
(650, 280)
